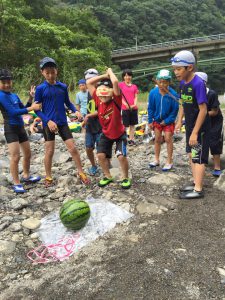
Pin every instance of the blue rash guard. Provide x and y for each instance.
(54, 98)
(12, 108)
(162, 108)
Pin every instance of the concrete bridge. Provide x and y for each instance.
(168, 49)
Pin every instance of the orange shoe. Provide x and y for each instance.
(48, 182)
(84, 179)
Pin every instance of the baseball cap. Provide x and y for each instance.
(47, 60)
(90, 73)
(202, 75)
(164, 74)
(5, 74)
(183, 58)
(82, 81)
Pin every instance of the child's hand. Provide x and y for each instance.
(52, 126)
(193, 139)
(78, 115)
(163, 123)
(178, 127)
(36, 106)
(32, 91)
(150, 126)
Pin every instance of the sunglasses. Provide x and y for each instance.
(105, 83)
(177, 59)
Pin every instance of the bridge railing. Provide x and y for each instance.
(195, 40)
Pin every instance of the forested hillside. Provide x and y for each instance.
(32, 29)
(80, 34)
(154, 21)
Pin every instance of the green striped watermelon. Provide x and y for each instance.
(74, 214)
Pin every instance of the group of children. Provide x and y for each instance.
(107, 108)
(203, 120)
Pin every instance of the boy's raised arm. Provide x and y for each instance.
(114, 79)
(91, 83)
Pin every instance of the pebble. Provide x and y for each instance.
(7, 247)
(31, 223)
(18, 203)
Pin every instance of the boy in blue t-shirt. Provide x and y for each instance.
(53, 96)
(82, 97)
(12, 110)
(197, 123)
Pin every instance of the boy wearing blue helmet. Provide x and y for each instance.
(162, 113)
(197, 122)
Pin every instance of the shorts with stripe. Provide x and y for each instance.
(105, 145)
(63, 131)
(199, 152)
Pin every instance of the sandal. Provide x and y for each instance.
(83, 178)
(167, 167)
(18, 188)
(105, 181)
(31, 179)
(48, 182)
(153, 164)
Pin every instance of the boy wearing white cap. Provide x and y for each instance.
(197, 122)
(216, 131)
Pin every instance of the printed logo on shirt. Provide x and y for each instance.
(106, 114)
(190, 90)
(187, 98)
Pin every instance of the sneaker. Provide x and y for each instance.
(188, 188)
(105, 181)
(167, 167)
(84, 179)
(216, 173)
(153, 164)
(126, 183)
(93, 170)
(48, 182)
(192, 195)
(18, 188)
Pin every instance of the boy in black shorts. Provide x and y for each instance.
(53, 96)
(216, 131)
(12, 109)
(108, 101)
(197, 122)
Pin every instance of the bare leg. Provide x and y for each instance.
(49, 152)
(198, 171)
(216, 160)
(74, 153)
(14, 151)
(26, 158)
(158, 137)
(90, 155)
(132, 128)
(124, 165)
(169, 143)
(104, 163)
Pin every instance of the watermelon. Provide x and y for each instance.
(74, 214)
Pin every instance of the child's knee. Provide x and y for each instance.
(101, 156)
(15, 157)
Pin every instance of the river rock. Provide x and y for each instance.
(7, 247)
(31, 223)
